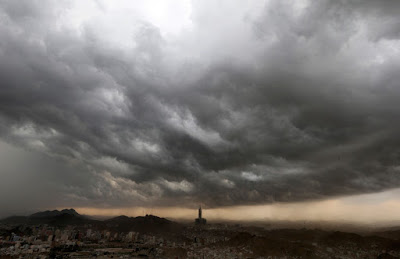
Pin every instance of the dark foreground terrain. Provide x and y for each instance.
(66, 234)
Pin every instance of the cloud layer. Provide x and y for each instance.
(209, 102)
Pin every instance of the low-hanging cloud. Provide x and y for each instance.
(245, 104)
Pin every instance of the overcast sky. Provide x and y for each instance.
(113, 104)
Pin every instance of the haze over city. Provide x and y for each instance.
(255, 110)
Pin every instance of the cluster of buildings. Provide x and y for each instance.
(90, 241)
(207, 241)
(44, 239)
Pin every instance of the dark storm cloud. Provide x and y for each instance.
(296, 103)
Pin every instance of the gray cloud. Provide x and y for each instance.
(272, 103)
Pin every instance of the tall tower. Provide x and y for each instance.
(200, 220)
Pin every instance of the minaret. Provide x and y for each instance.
(200, 212)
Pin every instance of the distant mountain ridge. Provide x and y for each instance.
(54, 217)
(148, 223)
(145, 224)
(53, 213)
